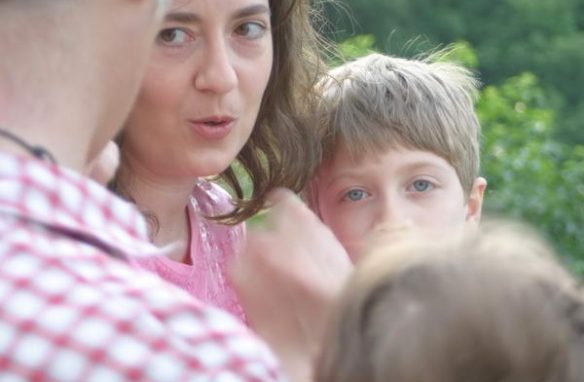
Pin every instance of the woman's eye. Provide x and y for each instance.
(174, 36)
(422, 185)
(251, 31)
(355, 195)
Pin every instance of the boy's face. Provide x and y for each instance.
(400, 189)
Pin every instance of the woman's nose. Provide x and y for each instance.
(217, 73)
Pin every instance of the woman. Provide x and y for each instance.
(228, 80)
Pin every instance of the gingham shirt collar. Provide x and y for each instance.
(66, 202)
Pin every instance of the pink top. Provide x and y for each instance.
(212, 246)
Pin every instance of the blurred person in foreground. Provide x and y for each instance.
(71, 308)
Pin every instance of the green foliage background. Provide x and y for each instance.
(533, 161)
(544, 37)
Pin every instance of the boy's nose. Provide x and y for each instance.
(385, 234)
(392, 216)
(216, 73)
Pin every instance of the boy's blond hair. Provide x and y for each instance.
(497, 307)
(378, 102)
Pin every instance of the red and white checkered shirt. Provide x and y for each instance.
(71, 309)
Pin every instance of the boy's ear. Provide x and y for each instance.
(474, 205)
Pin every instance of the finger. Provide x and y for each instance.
(283, 206)
(290, 213)
(104, 166)
(279, 195)
(256, 258)
(273, 205)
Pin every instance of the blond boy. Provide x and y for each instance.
(400, 141)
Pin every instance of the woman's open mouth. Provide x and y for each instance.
(214, 127)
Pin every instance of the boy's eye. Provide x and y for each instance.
(355, 195)
(421, 185)
(251, 30)
(174, 36)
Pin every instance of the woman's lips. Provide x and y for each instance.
(213, 128)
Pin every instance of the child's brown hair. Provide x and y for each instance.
(497, 307)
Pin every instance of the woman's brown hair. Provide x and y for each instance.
(282, 150)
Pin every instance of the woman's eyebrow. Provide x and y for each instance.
(183, 17)
(252, 10)
(193, 18)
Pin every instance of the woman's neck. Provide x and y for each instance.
(165, 200)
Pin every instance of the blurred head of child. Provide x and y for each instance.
(494, 306)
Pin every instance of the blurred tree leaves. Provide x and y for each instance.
(544, 37)
(357, 46)
(531, 175)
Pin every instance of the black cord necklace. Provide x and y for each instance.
(38, 152)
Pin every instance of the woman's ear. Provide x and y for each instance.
(474, 204)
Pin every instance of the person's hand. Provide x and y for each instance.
(104, 166)
(288, 278)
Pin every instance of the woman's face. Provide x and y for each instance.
(202, 91)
